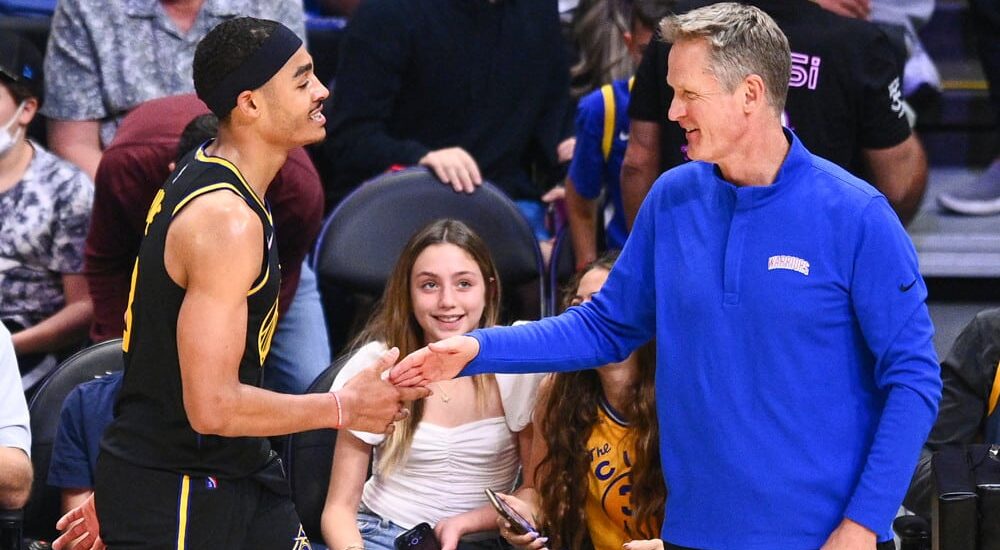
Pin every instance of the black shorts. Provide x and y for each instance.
(155, 509)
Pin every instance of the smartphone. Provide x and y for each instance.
(420, 537)
(518, 524)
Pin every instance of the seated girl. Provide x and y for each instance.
(472, 433)
(596, 446)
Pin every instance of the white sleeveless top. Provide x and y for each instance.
(447, 469)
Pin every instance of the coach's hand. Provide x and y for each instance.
(455, 167)
(80, 529)
(438, 361)
(370, 404)
(850, 535)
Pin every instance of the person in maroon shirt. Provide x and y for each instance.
(134, 167)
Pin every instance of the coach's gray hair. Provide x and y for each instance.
(742, 40)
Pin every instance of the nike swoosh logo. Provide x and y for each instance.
(623, 136)
(904, 288)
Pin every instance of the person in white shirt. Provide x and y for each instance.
(15, 435)
(470, 434)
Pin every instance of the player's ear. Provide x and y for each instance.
(248, 104)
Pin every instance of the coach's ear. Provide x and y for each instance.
(754, 93)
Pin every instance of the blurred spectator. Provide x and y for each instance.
(86, 412)
(335, 8)
(982, 197)
(27, 8)
(907, 16)
(599, 30)
(601, 137)
(968, 412)
(15, 434)
(844, 103)
(45, 208)
(104, 58)
(467, 88)
(134, 167)
(598, 424)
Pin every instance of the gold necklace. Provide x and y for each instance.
(444, 395)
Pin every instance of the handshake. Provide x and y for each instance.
(374, 400)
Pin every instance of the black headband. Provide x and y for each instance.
(255, 70)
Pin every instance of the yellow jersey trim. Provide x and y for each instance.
(994, 393)
(201, 156)
(202, 191)
(608, 137)
(263, 281)
(127, 334)
(266, 333)
(609, 120)
(183, 512)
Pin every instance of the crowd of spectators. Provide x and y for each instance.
(530, 96)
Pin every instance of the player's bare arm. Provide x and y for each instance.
(214, 250)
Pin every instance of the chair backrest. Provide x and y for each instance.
(45, 407)
(362, 238)
(309, 456)
(561, 267)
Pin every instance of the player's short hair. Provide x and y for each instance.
(224, 49)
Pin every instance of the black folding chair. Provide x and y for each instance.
(308, 456)
(362, 238)
(43, 509)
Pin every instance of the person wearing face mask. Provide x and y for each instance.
(45, 207)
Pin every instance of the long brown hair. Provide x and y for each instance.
(393, 322)
(569, 411)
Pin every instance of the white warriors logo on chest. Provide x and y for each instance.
(791, 263)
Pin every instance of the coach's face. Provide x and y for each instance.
(712, 118)
(294, 102)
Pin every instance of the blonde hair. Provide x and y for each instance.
(742, 40)
(393, 321)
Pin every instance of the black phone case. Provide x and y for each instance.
(420, 537)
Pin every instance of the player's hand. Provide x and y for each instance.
(850, 535)
(859, 9)
(529, 541)
(652, 544)
(80, 528)
(438, 361)
(455, 167)
(370, 404)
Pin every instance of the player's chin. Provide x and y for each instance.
(313, 135)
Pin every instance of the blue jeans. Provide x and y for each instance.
(301, 347)
(378, 533)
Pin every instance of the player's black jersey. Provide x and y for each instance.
(844, 94)
(151, 427)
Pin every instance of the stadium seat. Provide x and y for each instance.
(561, 267)
(45, 407)
(308, 456)
(362, 238)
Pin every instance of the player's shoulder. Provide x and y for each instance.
(223, 216)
